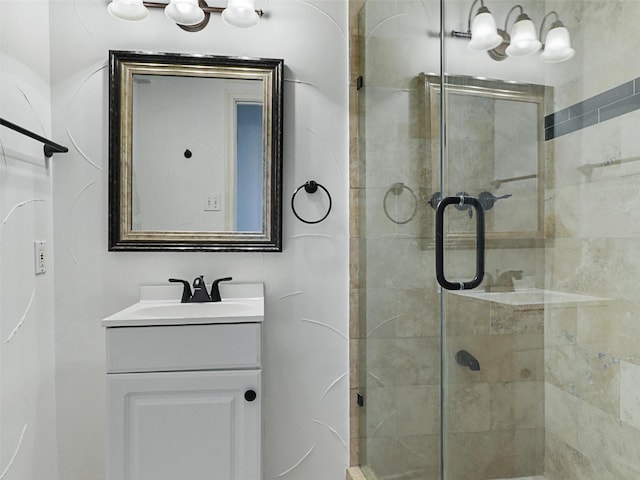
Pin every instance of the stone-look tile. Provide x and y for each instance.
(562, 462)
(561, 415)
(354, 363)
(495, 353)
(381, 411)
(418, 312)
(420, 456)
(599, 383)
(506, 319)
(354, 255)
(355, 473)
(496, 454)
(610, 445)
(403, 361)
(418, 410)
(517, 405)
(560, 369)
(354, 427)
(560, 326)
(354, 216)
(630, 394)
(528, 357)
(414, 457)
(611, 329)
(468, 408)
(467, 316)
(381, 316)
(591, 376)
(355, 319)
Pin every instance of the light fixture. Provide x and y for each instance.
(240, 13)
(483, 33)
(184, 12)
(557, 43)
(130, 10)
(484, 36)
(190, 15)
(524, 40)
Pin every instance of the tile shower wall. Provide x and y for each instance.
(592, 360)
(27, 409)
(305, 332)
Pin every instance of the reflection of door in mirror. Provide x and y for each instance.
(194, 152)
(249, 167)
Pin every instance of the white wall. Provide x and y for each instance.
(27, 422)
(306, 327)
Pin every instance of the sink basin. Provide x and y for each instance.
(160, 305)
(226, 308)
(534, 298)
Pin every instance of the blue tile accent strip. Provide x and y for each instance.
(612, 103)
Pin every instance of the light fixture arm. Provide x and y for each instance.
(473, 4)
(555, 24)
(506, 20)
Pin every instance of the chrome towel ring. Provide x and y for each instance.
(397, 189)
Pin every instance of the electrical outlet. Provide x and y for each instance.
(212, 203)
(40, 256)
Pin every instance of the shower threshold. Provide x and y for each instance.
(536, 477)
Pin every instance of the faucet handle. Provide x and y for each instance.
(186, 290)
(200, 293)
(215, 289)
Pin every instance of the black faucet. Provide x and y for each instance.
(186, 290)
(215, 289)
(200, 294)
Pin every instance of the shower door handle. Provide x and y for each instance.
(477, 280)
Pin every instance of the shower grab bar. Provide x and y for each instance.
(50, 147)
(440, 275)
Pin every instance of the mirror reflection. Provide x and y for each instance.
(194, 151)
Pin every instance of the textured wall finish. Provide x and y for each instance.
(27, 423)
(306, 286)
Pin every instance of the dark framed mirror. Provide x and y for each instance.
(195, 152)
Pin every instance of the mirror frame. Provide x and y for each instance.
(123, 65)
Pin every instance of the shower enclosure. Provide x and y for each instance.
(498, 244)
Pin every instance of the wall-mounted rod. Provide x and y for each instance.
(588, 169)
(500, 181)
(49, 147)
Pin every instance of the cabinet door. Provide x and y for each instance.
(184, 426)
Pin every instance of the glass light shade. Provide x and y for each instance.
(184, 12)
(524, 40)
(129, 10)
(484, 34)
(240, 13)
(557, 46)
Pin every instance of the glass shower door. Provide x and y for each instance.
(492, 328)
(535, 372)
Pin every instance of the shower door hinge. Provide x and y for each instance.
(360, 400)
(359, 82)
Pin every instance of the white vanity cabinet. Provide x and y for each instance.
(183, 398)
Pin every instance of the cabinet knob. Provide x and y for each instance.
(250, 395)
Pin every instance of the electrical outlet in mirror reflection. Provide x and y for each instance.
(212, 202)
